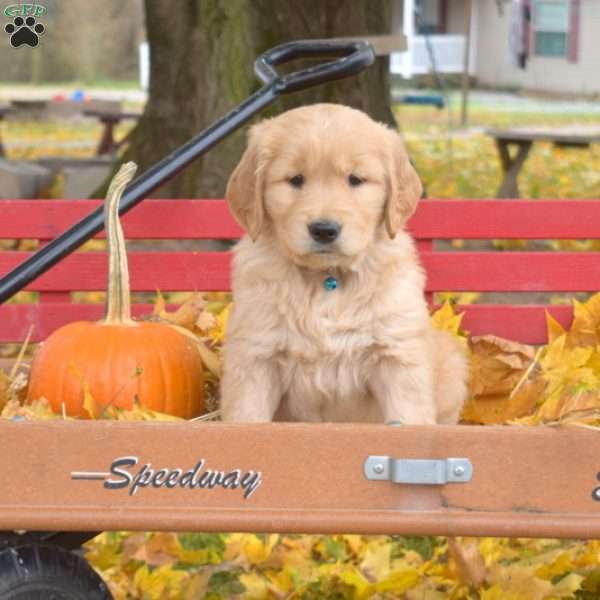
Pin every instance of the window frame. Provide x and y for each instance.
(566, 31)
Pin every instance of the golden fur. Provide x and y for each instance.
(365, 352)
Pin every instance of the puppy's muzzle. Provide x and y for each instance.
(324, 232)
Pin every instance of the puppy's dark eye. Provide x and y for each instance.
(354, 180)
(297, 181)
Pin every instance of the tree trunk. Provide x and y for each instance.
(202, 58)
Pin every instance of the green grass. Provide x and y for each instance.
(466, 165)
(100, 84)
(461, 165)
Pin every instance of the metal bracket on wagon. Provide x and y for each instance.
(417, 471)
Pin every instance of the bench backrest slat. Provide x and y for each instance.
(446, 271)
(210, 219)
(524, 322)
(488, 271)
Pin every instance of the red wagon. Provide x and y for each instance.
(77, 478)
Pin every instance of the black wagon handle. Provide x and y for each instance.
(354, 57)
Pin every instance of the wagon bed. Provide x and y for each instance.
(534, 481)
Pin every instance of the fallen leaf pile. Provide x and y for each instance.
(556, 384)
(511, 383)
(190, 566)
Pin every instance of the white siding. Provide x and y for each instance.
(544, 74)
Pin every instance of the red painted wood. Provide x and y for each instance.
(149, 271)
(509, 219)
(447, 271)
(521, 323)
(201, 219)
(152, 219)
(513, 271)
(489, 271)
(53, 297)
(16, 319)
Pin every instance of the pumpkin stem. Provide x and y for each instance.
(118, 307)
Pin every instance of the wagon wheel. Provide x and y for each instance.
(34, 570)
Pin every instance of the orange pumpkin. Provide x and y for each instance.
(119, 360)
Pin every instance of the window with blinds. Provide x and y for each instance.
(551, 27)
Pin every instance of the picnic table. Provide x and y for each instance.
(524, 138)
(110, 119)
(107, 112)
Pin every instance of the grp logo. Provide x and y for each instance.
(25, 29)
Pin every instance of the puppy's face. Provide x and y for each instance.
(326, 181)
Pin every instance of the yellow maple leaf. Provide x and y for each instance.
(557, 563)
(137, 413)
(255, 550)
(376, 561)
(445, 319)
(105, 551)
(209, 358)
(217, 333)
(519, 582)
(399, 582)
(497, 593)
(586, 322)
(568, 585)
(188, 315)
(89, 404)
(351, 576)
(503, 380)
(283, 580)
(256, 586)
(4, 386)
(162, 583)
(566, 370)
(158, 549)
(354, 542)
(553, 327)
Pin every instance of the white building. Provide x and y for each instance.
(543, 45)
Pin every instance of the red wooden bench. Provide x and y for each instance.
(208, 271)
(525, 481)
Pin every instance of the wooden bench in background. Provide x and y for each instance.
(534, 481)
(523, 138)
(109, 120)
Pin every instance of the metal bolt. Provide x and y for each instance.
(459, 471)
(378, 468)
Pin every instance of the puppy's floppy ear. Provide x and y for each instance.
(244, 192)
(404, 187)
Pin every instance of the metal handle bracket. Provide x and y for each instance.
(418, 471)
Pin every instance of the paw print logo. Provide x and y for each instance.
(24, 31)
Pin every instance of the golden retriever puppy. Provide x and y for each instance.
(329, 322)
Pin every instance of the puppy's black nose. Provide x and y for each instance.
(324, 232)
